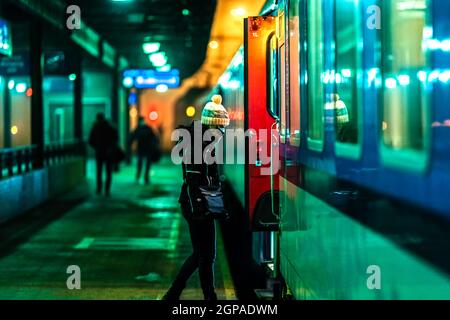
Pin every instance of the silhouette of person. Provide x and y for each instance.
(146, 145)
(103, 139)
(202, 231)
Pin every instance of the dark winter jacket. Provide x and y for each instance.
(195, 176)
(146, 139)
(103, 138)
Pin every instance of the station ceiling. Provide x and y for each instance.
(181, 26)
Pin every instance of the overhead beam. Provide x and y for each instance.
(87, 38)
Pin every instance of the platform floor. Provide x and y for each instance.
(128, 246)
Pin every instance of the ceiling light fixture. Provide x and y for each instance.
(238, 12)
(213, 44)
(165, 68)
(151, 47)
(158, 59)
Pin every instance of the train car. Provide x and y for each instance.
(359, 93)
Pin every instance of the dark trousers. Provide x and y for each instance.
(203, 238)
(141, 159)
(104, 162)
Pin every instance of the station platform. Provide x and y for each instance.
(127, 246)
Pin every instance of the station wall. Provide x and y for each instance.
(21, 193)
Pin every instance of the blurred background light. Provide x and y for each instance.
(14, 130)
(128, 82)
(214, 44)
(165, 68)
(162, 88)
(21, 87)
(11, 84)
(158, 59)
(238, 12)
(133, 113)
(153, 115)
(151, 47)
(190, 111)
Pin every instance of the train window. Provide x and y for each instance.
(272, 85)
(405, 122)
(294, 74)
(316, 99)
(346, 101)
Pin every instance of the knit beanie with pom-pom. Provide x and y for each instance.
(214, 113)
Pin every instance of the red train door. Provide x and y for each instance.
(262, 157)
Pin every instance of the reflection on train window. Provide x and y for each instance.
(2, 115)
(346, 101)
(273, 73)
(294, 72)
(316, 99)
(406, 103)
(282, 93)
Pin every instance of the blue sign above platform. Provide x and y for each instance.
(150, 79)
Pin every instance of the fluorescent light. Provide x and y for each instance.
(72, 77)
(165, 68)
(161, 88)
(151, 47)
(185, 12)
(158, 59)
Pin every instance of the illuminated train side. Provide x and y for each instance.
(364, 181)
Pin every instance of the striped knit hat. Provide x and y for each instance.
(214, 114)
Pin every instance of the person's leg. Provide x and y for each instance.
(109, 168)
(139, 167)
(148, 162)
(189, 266)
(99, 162)
(207, 255)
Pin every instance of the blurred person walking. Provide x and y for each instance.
(147, 148)
(103, 139)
